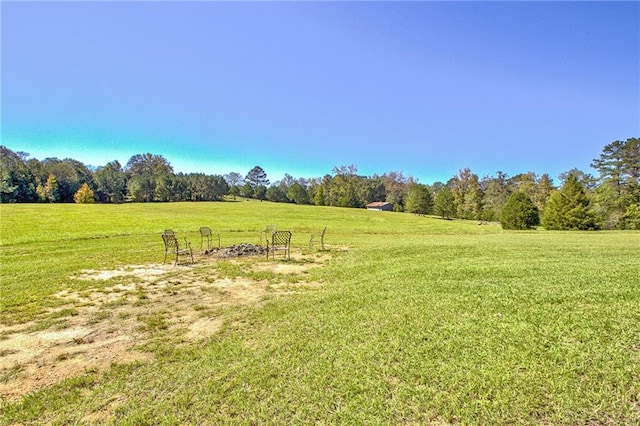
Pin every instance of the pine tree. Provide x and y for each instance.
(419, 200)
(569, 208)
(256, 177)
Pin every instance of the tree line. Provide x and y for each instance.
(580, 201)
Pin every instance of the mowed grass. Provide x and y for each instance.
(418, 321)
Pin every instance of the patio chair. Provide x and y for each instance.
(267, 232)
(280, 241)
(172, 246)
(208, 236)
(315, 238)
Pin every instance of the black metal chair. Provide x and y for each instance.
(172, 246)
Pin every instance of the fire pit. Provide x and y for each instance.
(243, 249)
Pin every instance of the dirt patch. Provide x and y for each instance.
(94, 329)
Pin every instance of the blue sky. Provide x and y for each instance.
(426, 88)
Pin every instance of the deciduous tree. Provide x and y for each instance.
(297, 194)
(84, 195)
(111, 182)
(467, 194)
(444, 203)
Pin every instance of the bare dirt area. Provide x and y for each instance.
(110, 323)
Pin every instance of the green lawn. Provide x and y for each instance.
(411, 320)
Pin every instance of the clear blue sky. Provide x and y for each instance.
(426, 88)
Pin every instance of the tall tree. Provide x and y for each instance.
(544, 188)
(111, 182)
(49, 191)
(235, 182)
(617, 195)
(343, 187)
(297, 194)
(147, 177)
(444, 203)
(467, 194)
(17, 181)
(396, 187)
(619, 163)
(569, 208)
(611, 165)
(496, 192)
(255, 178)
(419, 199)
(586, 180)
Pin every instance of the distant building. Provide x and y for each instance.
(380, 206)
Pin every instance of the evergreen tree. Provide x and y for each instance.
(569, 208)
(543, 191)
(496, 193)
(257, 177)
(617, 195)
(519, 212)
(419, 200)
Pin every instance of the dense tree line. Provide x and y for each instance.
(145, 178)
(582, 201)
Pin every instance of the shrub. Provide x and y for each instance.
(519, 212)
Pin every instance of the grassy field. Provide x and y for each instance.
(403, 320)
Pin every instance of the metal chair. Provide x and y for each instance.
(267, 232)
(315, 238)
(208, 236)
(171, 245)
(280, 241)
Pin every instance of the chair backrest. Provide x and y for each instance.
(323, 231)
(169, 231)
(270, 229)
(205, 231)
(281, 238)
(170, 240)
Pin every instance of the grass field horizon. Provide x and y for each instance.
(403, 320)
